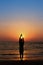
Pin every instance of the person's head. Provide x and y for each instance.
(20, 35)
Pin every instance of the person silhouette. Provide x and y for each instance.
(21, 46)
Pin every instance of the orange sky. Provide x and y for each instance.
(12, 31)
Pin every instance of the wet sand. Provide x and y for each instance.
(30, 62)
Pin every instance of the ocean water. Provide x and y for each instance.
(10, 51)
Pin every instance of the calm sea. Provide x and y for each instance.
(10, 51)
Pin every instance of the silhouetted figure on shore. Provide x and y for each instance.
(21, 46)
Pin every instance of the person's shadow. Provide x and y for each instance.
(21, 46)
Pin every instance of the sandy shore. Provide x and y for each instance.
(11, 62)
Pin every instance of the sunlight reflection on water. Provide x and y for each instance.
(10, 51)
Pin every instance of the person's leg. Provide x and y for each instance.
(22, 54)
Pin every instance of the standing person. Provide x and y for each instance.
(21, 46)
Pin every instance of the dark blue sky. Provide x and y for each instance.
(21, 6)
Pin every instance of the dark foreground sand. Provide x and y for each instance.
(11, 62)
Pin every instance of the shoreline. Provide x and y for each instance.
(25, 62)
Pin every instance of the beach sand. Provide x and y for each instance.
(30, 62)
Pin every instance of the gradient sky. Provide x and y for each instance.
(21, 16)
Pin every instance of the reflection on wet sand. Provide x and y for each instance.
(14, 55)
